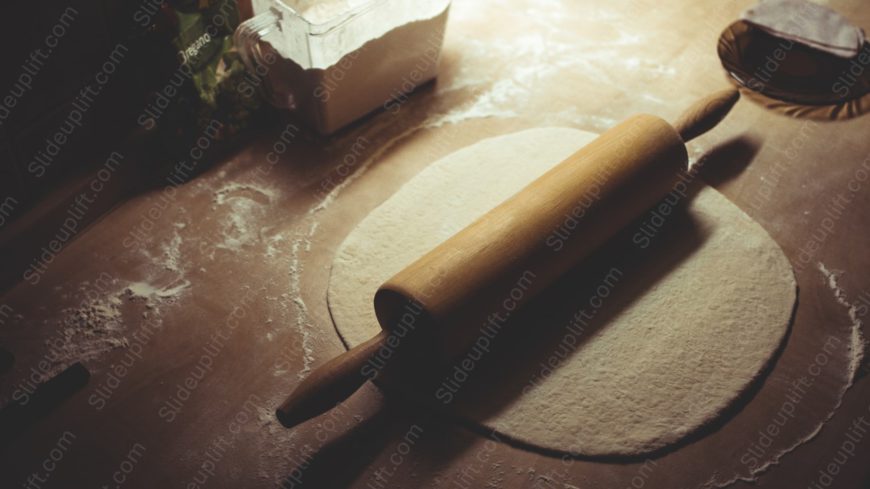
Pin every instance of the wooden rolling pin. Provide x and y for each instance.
(616, 178)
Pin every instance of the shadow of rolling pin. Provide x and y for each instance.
(628, 169)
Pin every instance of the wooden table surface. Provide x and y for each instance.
(228, 275)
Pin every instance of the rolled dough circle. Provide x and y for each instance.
(673, 346)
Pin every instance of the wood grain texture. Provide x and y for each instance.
(330, 384)
(704, 114)
(621, 174)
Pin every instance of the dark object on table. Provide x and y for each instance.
(22, 413)
(795, 73)
(6, 360)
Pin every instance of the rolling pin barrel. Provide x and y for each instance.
(520, 247)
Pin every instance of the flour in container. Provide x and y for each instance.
(357, 57)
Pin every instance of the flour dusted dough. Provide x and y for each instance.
(668, 356)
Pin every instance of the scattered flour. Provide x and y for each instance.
(255, 192)
(171, 258)
(86, 332)
(517, 67)
(248, 204)
(97, 325)
(302, 244)
(274, 243)
(593, 123)
(272, 464)
(153, 294)
(858, 342)
(238, 225)
(302, 320)
(857, 349)
(491, 102)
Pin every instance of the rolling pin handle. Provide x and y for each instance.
(704, 114)
(329, 384)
